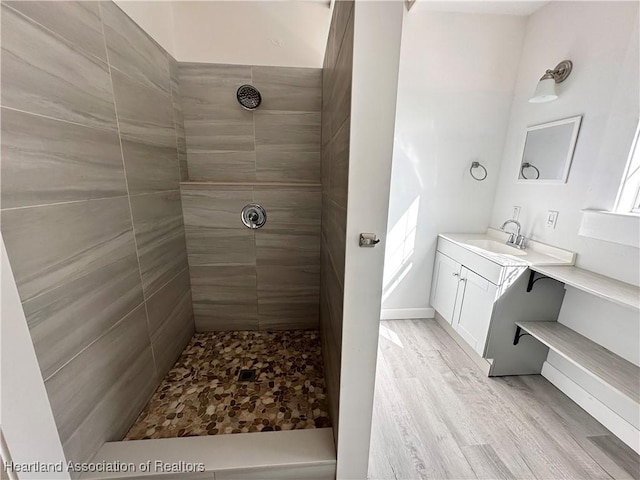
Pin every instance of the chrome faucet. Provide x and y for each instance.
(515, 239)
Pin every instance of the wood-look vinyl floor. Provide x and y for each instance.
(436, 416)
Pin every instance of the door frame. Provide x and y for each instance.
(26, 419)
(376, 59)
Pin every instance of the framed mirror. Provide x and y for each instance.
(548, 150)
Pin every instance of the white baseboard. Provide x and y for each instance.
(406, 313)
(594, 407)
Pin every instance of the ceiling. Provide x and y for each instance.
(500, 7)
(290, 33)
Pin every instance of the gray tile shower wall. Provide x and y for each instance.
(336, 120)
(278, 142)
(93, 152)
(268, 278)
(246, 279)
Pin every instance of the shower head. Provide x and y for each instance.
(249, 97)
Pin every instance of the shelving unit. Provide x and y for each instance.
(607, 288)
(594, 359)
(616, 401)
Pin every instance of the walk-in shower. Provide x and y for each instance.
(163, 222)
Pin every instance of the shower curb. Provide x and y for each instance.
(292, 454)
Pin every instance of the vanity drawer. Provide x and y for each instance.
(474, 262)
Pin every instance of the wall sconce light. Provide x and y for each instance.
(546, 88)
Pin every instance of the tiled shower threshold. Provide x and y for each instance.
(291, 454)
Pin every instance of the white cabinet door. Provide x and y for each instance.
(473, 314)
(446, 275)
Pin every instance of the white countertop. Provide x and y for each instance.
(536, 253)
(552, 262)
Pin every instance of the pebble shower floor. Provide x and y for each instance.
(202, 395)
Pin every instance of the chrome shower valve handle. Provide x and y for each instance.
(253, 216)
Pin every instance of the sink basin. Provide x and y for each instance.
(496, 247)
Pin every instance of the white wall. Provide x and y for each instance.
(602, 41)
(457, 74)
(284, 33)
(155, 18)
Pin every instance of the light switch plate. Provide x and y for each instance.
(552, 219)
(516, 212)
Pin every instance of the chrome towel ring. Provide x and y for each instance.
(478, 165)
(528, 165)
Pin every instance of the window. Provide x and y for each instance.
(629, 194)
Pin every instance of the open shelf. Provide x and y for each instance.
(607, 288)
(594, 359)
